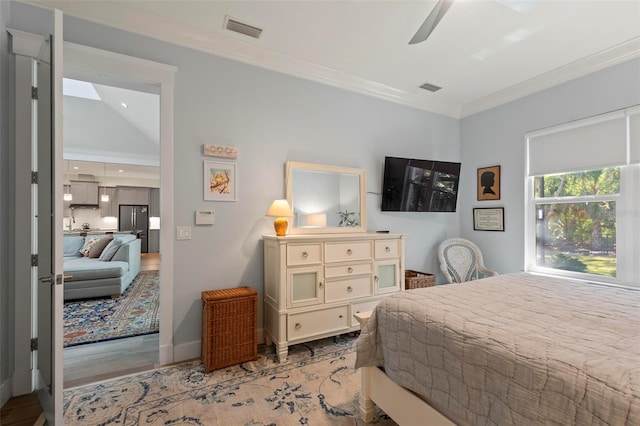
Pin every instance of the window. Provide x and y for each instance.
(583, 198)
(576, 221)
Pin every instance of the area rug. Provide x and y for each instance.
(134, 313)
(317, 385)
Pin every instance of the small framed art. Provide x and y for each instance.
(489, 183)
(220, 181)
(488, 219)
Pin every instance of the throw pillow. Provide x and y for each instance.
(99, 246)
(110, 250)
(88, 243)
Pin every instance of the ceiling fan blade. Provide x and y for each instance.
(432, 20)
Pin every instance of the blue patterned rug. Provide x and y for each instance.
(317, 385)
(134, 313)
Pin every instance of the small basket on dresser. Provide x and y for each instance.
(229, 327)
(415, 279)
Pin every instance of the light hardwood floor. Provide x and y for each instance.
(104, 360)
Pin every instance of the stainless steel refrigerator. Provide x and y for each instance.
(135, 219)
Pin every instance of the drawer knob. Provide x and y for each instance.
(387, 249)
(340, 316)
(349, 252)
(349, 269)
(320, 284)
(298, 326)
(305, 254)
(349, 289)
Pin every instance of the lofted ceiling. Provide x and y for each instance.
(482, 53)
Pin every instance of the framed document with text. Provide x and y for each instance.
(488, 219)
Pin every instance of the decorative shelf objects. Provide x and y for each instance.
(220, 151)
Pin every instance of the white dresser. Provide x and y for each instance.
(315, 283)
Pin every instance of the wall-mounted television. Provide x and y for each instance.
(412, 185)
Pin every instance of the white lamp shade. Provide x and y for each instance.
(104, 198)
(279, 208)
(68, 196)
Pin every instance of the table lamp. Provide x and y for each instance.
(280, 209)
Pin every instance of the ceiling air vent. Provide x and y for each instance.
(430, 87)
(242, 28)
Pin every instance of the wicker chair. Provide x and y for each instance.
(461, 260)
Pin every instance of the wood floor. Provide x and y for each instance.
(92, 363)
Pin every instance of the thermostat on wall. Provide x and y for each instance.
(205, 217)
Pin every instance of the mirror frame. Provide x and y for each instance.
(291, 166)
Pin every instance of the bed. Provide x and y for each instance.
(512, 349)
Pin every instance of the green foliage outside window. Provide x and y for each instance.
(569, 232)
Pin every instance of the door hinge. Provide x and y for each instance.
(34, 260)
(34, 92)
(34, 177)
(34, 344)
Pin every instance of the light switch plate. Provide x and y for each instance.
(183, 233)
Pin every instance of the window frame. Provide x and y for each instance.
(627, 213)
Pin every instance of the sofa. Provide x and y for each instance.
(99, 265)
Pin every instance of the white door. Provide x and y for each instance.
(56, 161)
(38, 217)
(47, 205)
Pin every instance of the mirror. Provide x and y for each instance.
(326, 199)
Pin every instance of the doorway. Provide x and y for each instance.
(115, 72)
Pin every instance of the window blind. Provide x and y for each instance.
(591, 143)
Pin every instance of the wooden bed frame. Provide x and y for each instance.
(402, 405)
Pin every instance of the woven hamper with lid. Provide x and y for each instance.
(229, 327)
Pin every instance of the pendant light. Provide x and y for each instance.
(104, 197)
(67, 196)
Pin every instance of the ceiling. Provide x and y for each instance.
(483, 53)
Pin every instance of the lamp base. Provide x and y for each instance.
(280, 225)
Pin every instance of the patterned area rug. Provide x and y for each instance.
(317, 385)
(134, 313)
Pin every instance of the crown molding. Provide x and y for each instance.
(234, 47)
(605, 59)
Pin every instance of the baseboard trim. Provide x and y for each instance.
(5, 391)
(166, 354)
(186, 351)
(21, 383)
(191, 350)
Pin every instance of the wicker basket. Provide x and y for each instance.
(229, 327)
(415, 279)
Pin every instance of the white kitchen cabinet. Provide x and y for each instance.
(315, 283)
(84, 192)
(133, 195)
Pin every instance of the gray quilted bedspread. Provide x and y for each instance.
(513, 349)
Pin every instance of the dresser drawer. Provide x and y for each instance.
(387, 248)
(348, 289)
(342, 252)
(348, 270)
(304, 254)
(359, 307)
(307, 324)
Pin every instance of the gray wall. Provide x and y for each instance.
(6, 323)
(497, 137)
(270, 118)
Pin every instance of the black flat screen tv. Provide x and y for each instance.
(412, 185)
